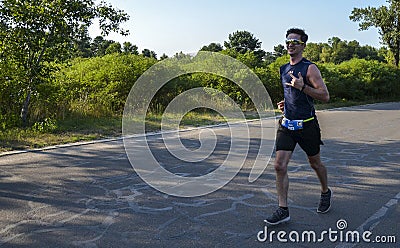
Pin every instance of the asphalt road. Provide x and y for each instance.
(90, 196)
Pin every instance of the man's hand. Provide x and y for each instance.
(296, 82)
(281, 105)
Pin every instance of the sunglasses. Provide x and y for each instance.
(293, 42)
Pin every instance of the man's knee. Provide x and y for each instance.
(280, 167)
(281, 161)
(315, 162)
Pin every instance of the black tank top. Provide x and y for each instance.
(298, 105)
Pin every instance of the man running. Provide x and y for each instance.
(302, 83)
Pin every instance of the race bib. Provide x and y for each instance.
(292, 124)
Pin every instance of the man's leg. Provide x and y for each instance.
(326, 193)
(282, 180)
(320, 170)
(282, 185)
(285, 145)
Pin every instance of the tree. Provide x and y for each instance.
(386, 19)
(150, 54)
(212, 47)
(99, 46)
(34, 33)
(325, 55)
(164, 56)
(182, 56)
(279, 51)
(383, 52)
(340, 50)
(244, 41)
(114, 48)
(82, 45)
(129, 48)
(98, 86)
(269, 58)
(313, 51)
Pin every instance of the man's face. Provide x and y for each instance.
(292, 44)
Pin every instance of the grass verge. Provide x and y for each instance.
(90, 128)
(61, 132)
(87, 128)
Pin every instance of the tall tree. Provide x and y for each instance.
(129, 48)
(313, 51)
(114, 48)
(386, 19)
(340, 50)
(164, 56)
(99, 46)
(82, 44)
(243, 42)
(36, 32)
(212, 47)
(150, 54)
(279, 51)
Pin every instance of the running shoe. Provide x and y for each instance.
(325, 202)
(279, 216)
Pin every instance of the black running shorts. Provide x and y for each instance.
(309, 138)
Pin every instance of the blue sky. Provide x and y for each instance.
(187, 25)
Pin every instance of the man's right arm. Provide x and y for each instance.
(281, 105)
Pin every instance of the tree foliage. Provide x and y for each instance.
(386, 19)
(97, 86)
(49, 62)
(150, 54)
(337, 51)
(34, 33)
(129, 48)
(243, 42)
(360, 79)
(114, 48)
(213, 47)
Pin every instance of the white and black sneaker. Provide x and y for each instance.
(279, 216)
(325, 202)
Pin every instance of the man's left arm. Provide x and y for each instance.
(319, 91)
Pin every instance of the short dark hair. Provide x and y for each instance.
(301, 32)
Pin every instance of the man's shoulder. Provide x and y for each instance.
(285, 65)
(307, 62)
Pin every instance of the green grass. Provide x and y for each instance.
(87, 128)
(65, 131)
(91, 128)
(191, 119)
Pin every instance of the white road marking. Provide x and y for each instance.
(373, 220)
